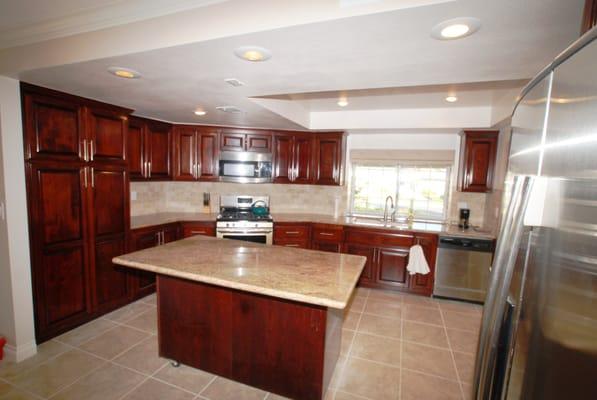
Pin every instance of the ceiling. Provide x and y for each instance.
(383, 60)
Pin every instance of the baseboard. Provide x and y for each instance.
(20, 353)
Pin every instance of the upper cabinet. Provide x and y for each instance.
(328, 158)
(68, 128)
(477, 161)
(149, 149)
(196, 153)
(589, 18)
(293, 156)
(245, 140)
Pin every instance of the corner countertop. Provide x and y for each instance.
(440, 229)
(277, 271)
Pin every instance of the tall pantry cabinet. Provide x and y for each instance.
(78, 201)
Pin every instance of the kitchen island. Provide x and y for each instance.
(267, 316)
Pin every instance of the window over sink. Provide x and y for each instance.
(420, 186)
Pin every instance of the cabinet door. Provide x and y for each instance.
(258, 142)
(109, 219)
(143, 281)
(328, 159)
(198, 228)
(303, 159)
(135, 147)
(478, 161)
(232, 140)
(170, 233)
(424, 283)
(185, 154)
(282, 158)
(158, 151)
(368, 274)
(59, 246)
(53, 129)
(107, 135)
(391, 266)
(208, 155)
(326, 246)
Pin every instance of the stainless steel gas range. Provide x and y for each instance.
(245, 218)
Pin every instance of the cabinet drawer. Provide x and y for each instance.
(298, 243)
(192, 229)
(379, 238)
(328, 233)
(291, 232)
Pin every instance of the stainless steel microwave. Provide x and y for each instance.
(245, 167)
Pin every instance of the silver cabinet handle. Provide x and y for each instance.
(292, 232)
(85, 149)
(85, 176)
(91, 149)
(149, 169)
(291, 245)
(159, 238)
(92, 177)
(198, 232)
(326, 234)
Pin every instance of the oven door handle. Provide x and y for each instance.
(245, 232)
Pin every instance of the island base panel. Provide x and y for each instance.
(281, 346)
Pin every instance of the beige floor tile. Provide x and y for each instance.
(143, 357)
(468, 391)
(357, 304)
(421, 301)
(191, 379)
(463, 341)
(429, 360)
(155, 390)
(8, 392)
(85, 332)
(115, 341)
(225, 389)
(362, 291)
(45, 351)
(376, 348)
(151, 299)
(373, 380)
(386, 295)
(425, 334)
(338, 370)
(48, 378)
(128, 312)
(459, 306)
(422, 314)
(466, 366)
(380, 326)
(351, 320)
(110, 382)
(346, 396)
(464, 321)
(383, 308)
(273, 396)
(346, 341)
(417, 386)
(147, 321)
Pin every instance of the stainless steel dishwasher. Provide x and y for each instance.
(462, 268)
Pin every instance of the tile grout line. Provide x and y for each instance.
(452, 355)
(206, 386)
(146, 378)
(28, 392)
(401, 351)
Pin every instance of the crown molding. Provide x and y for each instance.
(117, 13)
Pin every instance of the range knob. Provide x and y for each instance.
(256, 225)
(227, 225)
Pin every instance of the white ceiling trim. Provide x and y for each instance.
(118, 13)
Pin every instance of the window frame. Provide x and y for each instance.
(397, 165)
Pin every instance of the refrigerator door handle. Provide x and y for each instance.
(500, 279)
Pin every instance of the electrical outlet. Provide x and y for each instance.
(133, 195)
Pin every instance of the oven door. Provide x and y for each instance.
(255, 236)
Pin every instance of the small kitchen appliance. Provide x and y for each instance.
(245, 218)
(465, 215)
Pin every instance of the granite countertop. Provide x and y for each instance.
(440, 229)
(277, 271)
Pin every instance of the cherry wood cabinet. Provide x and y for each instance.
(328, 158)
(292, 158)
(150, 149)
(477, 161)
(196, 153)
(369, 273)
(292, 235)
(206, 228)
(107, 135)
(589, 18)
(233, 139)
(326, 237)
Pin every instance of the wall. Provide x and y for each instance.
(16, 295)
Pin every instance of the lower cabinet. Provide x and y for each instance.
(292, 235)
(206, 228)
(326, 237)
(143, 282)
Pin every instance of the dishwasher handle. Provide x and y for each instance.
(466, 244)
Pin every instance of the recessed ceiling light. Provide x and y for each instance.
(124, 72)
(456, 28)
(451, 99)
(253, 53)
(200, 112)
(342, 102)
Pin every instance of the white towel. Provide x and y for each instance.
(417, 264)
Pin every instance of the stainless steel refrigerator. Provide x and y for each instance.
(539, 329)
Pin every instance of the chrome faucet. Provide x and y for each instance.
(386, 214)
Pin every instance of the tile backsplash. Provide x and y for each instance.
(155, 197)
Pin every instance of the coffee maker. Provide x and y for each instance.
(465, 214)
